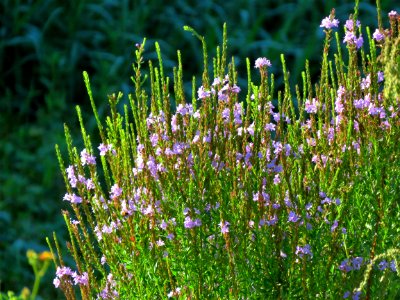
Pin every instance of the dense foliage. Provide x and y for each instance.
(242, 191)
(44, 46)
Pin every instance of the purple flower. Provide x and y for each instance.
(356, 295)
(346, 295)
(202, 93)
(87, 159)
(351, 39)
(72, 198)
(116, 191)
(380, 76)
(217, 81)
(163, 225)
(350, 24)
(366, 82)
(105, 148)
(334, 225)
(71, 176)
(339, 108)
(197, 222)
(80, 279)
(235, 89)
(63, 271)
(378, 36)
(188, 223)
(262, 62)
(345, 266)
(392, 14)
(182, 110)
(152, 166)
(359, 42)
(311, 106)
(250, 129)
(328, 23)
(383, 265)
(357, 262)
(160, 243)
(359, 104)
(270, 127)
(305, 250)
(224, 226)
(226, 114)
(277, 179)
(272, 221)
(293, 217)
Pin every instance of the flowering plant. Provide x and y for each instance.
(242, 193)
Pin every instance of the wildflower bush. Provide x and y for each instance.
(243, 192)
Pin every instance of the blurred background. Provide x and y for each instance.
(46, 44)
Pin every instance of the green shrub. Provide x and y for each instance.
(248, 191)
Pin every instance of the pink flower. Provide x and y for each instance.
(56, 282)
(262, 62)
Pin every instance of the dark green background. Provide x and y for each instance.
(46, 44)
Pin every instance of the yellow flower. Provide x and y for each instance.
(45, 255)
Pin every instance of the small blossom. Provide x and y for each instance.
(357, 262)
(356, 295)
(305, 250)
(116, 191)
(277, 179)
(350, 24)
(87, 159)
(160, 243)
(345, 266)
(293, 217)
(383, 265)
(250, 129)
(188, 223)
(224, 226)
(378, 36)
(262, 62)
(106, 148)
(311, 106)
(351, 39)
(392, 14)
(334, 225)
(202, 93)
(81, 279)
(380, 76)
(328, 23)
(56, 282)
(63, 271)
(72, 198)
(366, 82)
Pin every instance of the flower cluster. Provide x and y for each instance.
(350, 37)
(65, 273)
